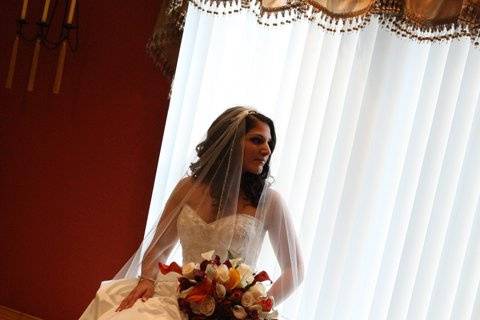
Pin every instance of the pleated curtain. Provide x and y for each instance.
(378, 157)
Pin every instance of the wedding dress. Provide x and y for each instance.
(228, 183)
(196, 237)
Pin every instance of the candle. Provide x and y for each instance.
(71, 11)
(60, 64)
(45, 10)
(33, 67)
(11, 68)
(24, 9)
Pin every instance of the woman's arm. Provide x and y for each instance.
(286, 247)
(161, 246)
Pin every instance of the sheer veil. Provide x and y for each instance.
(215, 189)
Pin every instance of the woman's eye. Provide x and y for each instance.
(256, 140)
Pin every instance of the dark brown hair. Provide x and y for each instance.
(251, 184)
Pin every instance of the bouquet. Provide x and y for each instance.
(215, 290)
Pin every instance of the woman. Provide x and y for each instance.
(225, 204)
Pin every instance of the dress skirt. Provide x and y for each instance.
(161, 306)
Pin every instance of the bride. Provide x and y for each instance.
(225, 204)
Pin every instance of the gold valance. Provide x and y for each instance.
(424, 20)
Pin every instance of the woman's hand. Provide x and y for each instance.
(143, 290)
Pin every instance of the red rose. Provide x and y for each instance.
(236, 295)
(185, 283)
(267, 304)
(228, 263)
(204, 264)
(198, 275)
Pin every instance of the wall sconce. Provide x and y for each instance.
(43, 39)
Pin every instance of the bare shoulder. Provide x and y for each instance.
(185, 182)
(182, 187)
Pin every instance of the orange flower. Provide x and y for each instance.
(200, 292)
(234, 279)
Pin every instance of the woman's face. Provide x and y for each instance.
(256, 149)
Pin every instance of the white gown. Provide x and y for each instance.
(196, 237)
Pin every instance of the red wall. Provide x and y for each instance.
(77, 169)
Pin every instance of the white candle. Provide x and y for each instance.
(45, 10)
(71, 11)
(24, 9)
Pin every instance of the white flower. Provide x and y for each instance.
(220, 290)
(239, 312)
(256, 307)
(207, 307)
(211, 272)
(248, 299)
(258, 290)
(243, 269)
(187, 270)
(246, 274)
(246, 280)
(222, 273)
(208, 255)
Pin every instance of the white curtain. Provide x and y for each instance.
(378, 157)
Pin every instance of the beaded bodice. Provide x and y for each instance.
(240, 234)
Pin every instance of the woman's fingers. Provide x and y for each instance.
(123, 304)
(129, 301)
(142, 290)
(147, 295)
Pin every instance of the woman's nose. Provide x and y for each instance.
(266, 150)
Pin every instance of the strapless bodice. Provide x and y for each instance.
(241, 234)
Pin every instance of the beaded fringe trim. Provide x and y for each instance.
(390, 14)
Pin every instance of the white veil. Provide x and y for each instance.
(216, 188)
